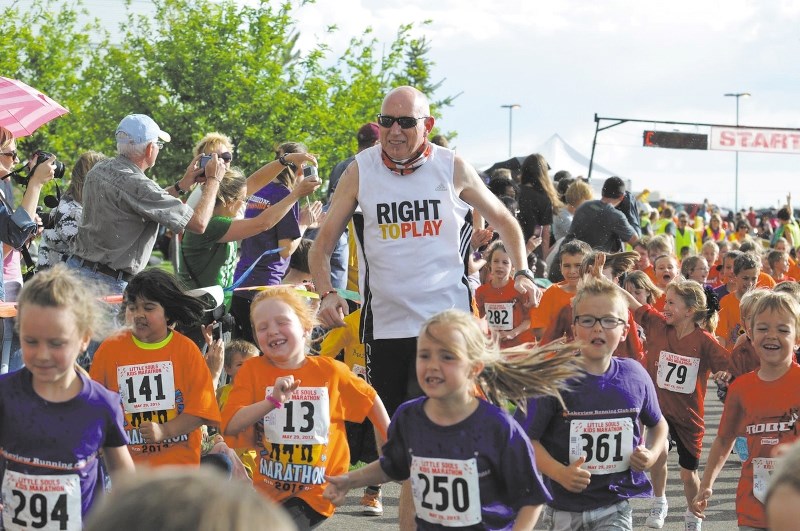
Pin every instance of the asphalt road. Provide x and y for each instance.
(721, 513)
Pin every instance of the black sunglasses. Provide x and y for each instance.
(226, 157)
(406, 122)
(12, 154)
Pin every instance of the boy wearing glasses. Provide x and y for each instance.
(591, 449)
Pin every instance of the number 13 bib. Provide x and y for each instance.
(304, 419)
(677, 373)
(446, 491)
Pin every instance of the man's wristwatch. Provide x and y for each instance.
(524, 273)
(178, 189)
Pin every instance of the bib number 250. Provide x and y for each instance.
(447, 489)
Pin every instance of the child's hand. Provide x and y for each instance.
(152, 432)
(599, 262)
(642, 458)
(574, 478)
(721, 377)
(700, 502)
(337, 489)
(284, 385)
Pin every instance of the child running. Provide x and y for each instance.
(681, 352)
(298, 405)
(164, 383)
(746, 268)
(54, 420)
(469, 462)
(591, 447)
(764, 406)
(504, 308)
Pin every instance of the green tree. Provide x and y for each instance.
(207, 66)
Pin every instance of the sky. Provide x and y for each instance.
(565, 61)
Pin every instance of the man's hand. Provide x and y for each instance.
(332, 310)
(526, 286)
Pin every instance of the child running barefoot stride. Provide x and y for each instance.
(591, 448)
(470, 464)
(163, 381)
(763, 406)
(298, 405)
(54, 420)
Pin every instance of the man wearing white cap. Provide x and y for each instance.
(122, 207)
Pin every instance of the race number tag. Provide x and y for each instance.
(446, 491)
(147, 387)
(677, 373)
(360, 371)
(763, 467)
(41, 502)
(607, 444)
(500, 315)
(304, 419)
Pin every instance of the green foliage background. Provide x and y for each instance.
(197, 67)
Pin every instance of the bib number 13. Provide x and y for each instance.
(305, 414)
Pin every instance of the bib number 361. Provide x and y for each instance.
(41, 502)
(446, 491)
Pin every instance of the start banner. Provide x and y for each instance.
(759, 140)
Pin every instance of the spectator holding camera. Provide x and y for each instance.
(17, 226)
(122, 207)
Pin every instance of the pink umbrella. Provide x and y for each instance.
(24, 109)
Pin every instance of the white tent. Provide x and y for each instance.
(562, 156)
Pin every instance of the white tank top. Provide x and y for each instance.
(413, 237)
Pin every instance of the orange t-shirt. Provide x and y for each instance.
(744, 358)
(765, 281)
(553, 300)
(730, 319)
(680, 369)
(158, 382)
(651, 272)
(504, 309)
(305, 440)
(794, 268)
(660, 302)
(765, 413)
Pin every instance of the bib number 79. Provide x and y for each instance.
(456, 490)
(680, 373)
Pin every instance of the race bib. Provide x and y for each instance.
(42, 502)
(360, 371)
(147, 387)
(304, 419)
(763, 467)
(607, 444)
(446, 491)
(500, 315)
(677, 373)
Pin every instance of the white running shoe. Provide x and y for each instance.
(658, 513)
(692, 523)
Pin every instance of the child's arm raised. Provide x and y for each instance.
(572, 477)
(249, 415)
(339, 486)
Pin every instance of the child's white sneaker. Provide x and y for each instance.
(692, 523)
(658, 513)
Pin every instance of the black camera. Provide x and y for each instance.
(41, 156)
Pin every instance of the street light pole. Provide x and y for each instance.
(737, 95)
(510, 107)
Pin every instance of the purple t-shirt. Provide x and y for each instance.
(603, 412)
(488, 449)
(271, 268)
(60, 440)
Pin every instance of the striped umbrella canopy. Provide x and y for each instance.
(24, 109)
